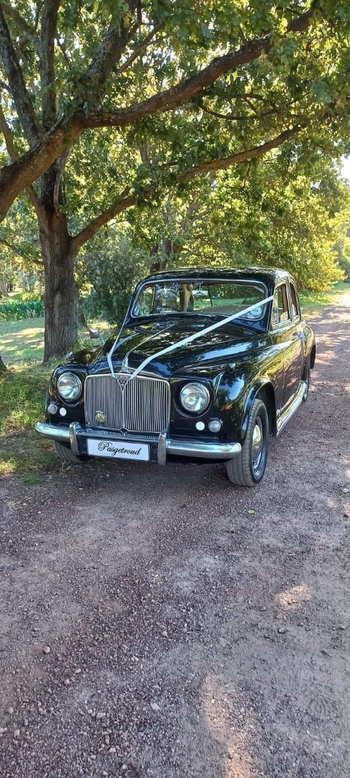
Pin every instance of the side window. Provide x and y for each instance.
(295, 301)
(280, 310)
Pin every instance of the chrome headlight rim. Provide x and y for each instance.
(191, 390)
(72, 389)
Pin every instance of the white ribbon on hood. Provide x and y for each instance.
(184, 341)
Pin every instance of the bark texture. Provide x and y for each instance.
(61, 327)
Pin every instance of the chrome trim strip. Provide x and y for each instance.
(189, 448)
(194, 448)
(52, 432)
(73, 437)
(162, 449)
(290, 410)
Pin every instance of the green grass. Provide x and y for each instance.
(22, 393)
(22, 340)
(313, 302)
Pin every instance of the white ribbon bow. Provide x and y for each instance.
(184, 341)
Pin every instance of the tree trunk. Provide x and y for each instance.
(165, 254)
(3, 286)
(61, 326)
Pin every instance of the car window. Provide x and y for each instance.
(280, 309)
(207, 297)
(294, 301)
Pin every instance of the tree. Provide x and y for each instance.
(208, 85)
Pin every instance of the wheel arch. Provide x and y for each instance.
(262, 391)
(313, 356)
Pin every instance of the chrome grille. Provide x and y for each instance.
(142, 404)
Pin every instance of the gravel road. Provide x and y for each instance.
(160, 623)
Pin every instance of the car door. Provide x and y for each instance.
(287, 331)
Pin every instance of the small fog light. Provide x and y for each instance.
(63, 412)
(215, 425)
(200, 426)
(52, 408)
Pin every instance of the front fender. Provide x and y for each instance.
(264, 389)
(238, 395)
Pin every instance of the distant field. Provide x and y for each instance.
(314, 301)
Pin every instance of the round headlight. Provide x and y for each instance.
(195, 398)
(69, 386)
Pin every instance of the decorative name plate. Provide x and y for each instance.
(117, 449)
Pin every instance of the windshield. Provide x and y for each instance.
(207, 298)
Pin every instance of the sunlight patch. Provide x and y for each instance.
(227, 716)
(293, 598)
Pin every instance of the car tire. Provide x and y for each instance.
(66, 454)
(306, 378)
(248, 467)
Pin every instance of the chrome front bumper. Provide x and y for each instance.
(76, 436)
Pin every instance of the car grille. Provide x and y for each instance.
(138, 405)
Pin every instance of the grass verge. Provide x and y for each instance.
(22, 450)
(313, 302)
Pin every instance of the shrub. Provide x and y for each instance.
(13, 311)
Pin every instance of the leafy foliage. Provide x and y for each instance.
(112, 269)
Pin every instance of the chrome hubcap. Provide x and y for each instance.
(257, 443)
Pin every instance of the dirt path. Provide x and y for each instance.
(159, 623)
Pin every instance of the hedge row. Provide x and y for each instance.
(21, 310)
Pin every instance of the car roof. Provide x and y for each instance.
(267, 275)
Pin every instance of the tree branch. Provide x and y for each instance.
(60, 165)
(233, 118)
(10, 146)
(19, 20)
(15, 79)
(241, 156)
(136, 53)
(11, 246)
(65, 55)
(20, 252)
(5, 86)
(47, 66)
(192, 87)
(107, 55)
(31, 165)
(128, 200)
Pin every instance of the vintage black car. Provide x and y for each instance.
(207, 364)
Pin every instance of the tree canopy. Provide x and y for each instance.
(108, 105)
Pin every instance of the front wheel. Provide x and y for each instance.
(66, 454)
(248, 467)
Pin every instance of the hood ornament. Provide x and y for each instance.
(124, 367)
